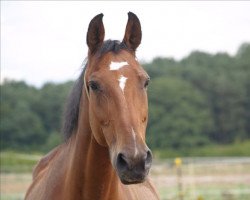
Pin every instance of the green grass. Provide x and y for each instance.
(18, 162)
(12, 161)
(237, 149)
(12, 196)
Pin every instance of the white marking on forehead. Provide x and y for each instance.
(122, 82)
(117, 65)
(134, 137)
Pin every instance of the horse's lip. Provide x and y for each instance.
(126, 182)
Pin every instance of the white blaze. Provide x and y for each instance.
(134, 137)
(117, 65)
(122, 82)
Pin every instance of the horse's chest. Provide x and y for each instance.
(138, 192)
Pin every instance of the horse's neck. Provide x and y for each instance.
(90, 174)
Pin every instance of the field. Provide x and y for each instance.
(203, 179)
(199, 178)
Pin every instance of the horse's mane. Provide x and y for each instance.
(71, 111)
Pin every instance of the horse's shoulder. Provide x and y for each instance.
(44, 161)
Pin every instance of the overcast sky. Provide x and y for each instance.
(45, 41)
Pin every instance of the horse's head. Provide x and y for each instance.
(116, 87)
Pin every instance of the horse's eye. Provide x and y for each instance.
(94, 85)
(146, 83)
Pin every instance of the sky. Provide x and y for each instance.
(45, 41)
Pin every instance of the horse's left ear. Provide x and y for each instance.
(132, 37)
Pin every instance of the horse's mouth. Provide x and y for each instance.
(125, 182)
(131, 177)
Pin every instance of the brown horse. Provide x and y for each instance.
(105, 155)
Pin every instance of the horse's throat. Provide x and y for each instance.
(100, 175)
(90, 174)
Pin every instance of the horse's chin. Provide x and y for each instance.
(130, 182)
(132, 178)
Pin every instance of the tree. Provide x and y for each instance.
(20, 126)
(179, 117)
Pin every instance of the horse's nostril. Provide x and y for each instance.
(148, 160)
(121, 162)
(133, 168)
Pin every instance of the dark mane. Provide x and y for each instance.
(70, 118)
(71, 112)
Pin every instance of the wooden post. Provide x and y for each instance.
(178, 163)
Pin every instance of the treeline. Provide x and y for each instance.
(30, 117)
(200, 100)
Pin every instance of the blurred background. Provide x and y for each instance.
(198, 57)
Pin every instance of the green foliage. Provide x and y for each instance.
(182, 117)
(197, 102)
(31, 117)
(53, 140)
(50, 104)
(212, 93)
(20, 125)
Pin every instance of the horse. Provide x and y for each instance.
(104, 155)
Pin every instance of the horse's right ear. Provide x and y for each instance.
(132, 37)
(95, 35)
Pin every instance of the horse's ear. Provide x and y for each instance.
(95, 35)
(132, 37)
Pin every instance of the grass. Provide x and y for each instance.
(18, 162)
(233, 150)
(203, 178)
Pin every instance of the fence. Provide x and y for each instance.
(203, 178)
(185, 179)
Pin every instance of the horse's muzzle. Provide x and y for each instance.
(133, 169)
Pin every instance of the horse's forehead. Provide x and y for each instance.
(117, 70)
(113, 62)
